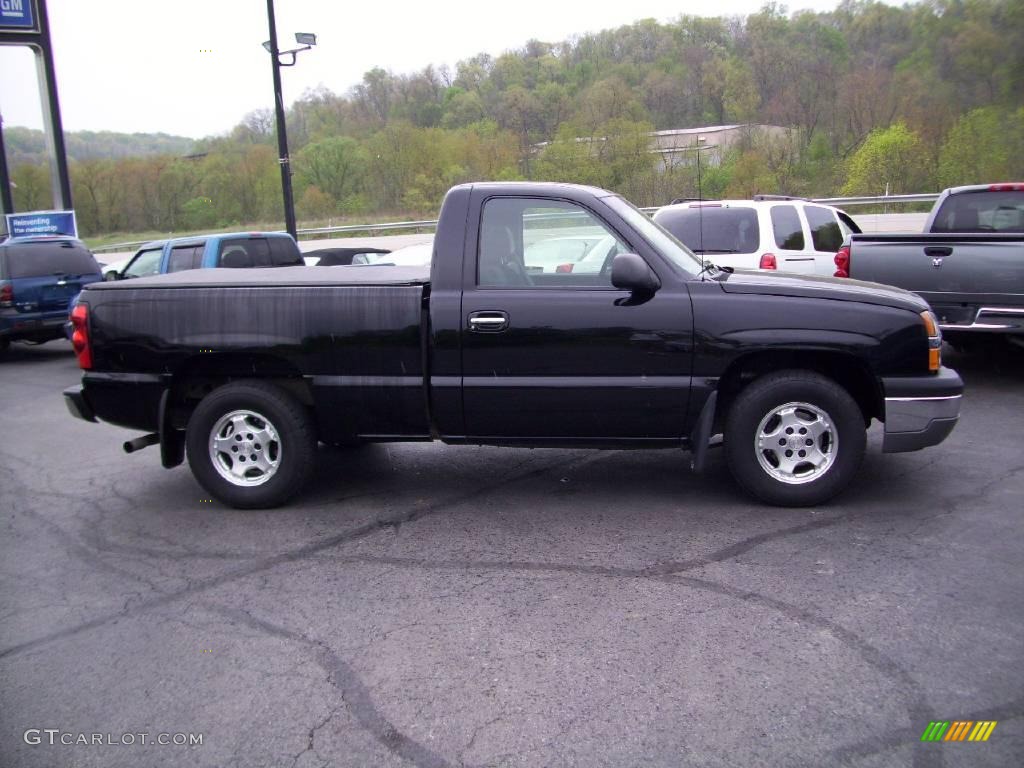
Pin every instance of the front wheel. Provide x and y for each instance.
(794, 438)
(251, 445)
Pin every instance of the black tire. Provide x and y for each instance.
(4, 344)
(808, 485)
(294, 448)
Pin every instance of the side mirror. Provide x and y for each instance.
(112, 275)
(631, 273)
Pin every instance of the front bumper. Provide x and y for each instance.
(920, 411)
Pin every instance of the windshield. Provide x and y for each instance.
(661, 240)
(52, 258)
(986, 211)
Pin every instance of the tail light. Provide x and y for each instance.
(80, 336)
(931, 327)
(768, 261)
(563, 268)
(842, 261)
(1006, 187)
(6, 294)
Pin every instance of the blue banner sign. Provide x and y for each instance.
(37, 223)
(18, 16)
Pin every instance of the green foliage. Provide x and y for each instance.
(984, 145)
(27, 145)
(893, 159)
(31, 187)
(315, 204)
(337, 166)
(198, 213)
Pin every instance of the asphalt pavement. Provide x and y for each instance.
(426, 605)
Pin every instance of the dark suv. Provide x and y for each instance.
(38, 278)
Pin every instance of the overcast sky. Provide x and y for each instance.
(195, 68)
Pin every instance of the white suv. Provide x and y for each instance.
(767, 232)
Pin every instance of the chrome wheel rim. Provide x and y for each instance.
(245, 448)
(796, 443)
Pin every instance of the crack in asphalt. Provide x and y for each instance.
(66, 540)
(918, 709)
(290, 556)
(353, 692)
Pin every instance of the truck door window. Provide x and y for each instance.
(789, 234)
(244, 252)
(145, 263)
(825, 232)
(544, 244)
(185, 257)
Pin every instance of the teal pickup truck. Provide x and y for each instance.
(236, 249)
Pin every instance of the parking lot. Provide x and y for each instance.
(444, 606)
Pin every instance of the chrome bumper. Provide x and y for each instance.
(992, 319)
(912, 423)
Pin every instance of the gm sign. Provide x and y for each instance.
(17, 16)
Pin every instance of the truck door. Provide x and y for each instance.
(552, 352)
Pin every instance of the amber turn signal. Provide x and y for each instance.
(934, 341)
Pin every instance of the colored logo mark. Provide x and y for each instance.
(958, 730)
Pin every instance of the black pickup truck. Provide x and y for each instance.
(244, 370)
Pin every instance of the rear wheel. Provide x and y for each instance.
(251, 445)
(794, 438)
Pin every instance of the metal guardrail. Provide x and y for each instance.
(928, 197)
(431, 224)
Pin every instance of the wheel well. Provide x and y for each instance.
(849, 372)
(201, 374)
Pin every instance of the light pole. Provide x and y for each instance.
(6, 201)
(699, 146)
(306, 40)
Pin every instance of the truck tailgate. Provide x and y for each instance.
(957, 275)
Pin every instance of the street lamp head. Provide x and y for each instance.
(266, 44)
(305, 38)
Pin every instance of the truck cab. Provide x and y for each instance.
(234, 250)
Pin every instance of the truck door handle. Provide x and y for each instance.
(488, 321)
(937, 250)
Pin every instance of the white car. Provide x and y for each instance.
(553, 254)
(112, 270)
(767, 232)
(410, 256)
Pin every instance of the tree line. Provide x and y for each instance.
(877, 97)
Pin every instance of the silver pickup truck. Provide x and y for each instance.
(968, 265)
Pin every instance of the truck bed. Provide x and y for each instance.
(355, 334)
